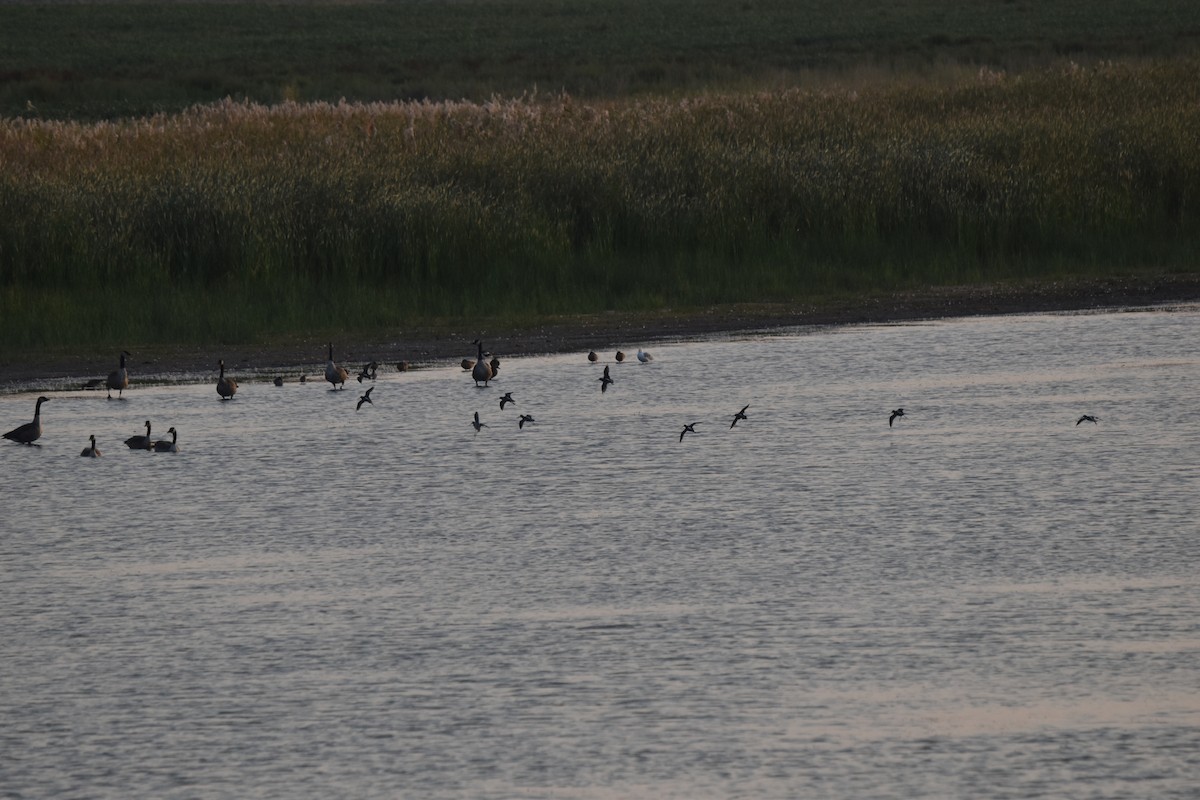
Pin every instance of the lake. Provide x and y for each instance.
(312, 601)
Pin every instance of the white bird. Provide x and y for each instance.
(644, 357)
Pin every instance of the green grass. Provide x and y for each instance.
(96, 60)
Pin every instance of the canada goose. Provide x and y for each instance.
(592, 356)
(140, 442)
(524, 418)
(226, 387)
(1088, 418)
(366, 398)
(899, 412)
(506, 398)
(605, 380)
(688, 429)
(279, 380)
(92, 451)
(644, 357)
(333, 373)
(739, 415)
(30, 432)
(368, 372)
(481, 370)
(118, 379)
(477, 424)
(620, 356)
(163, 446)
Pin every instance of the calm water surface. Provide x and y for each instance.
(312, 602)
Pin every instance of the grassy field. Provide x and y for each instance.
(778, 156)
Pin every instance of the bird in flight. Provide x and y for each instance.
(688, 429)
(506, 398)
(605, 381)
(898, 412)
(477, 424)
(1088, 418)
(739, 415)
(524, 418)
(366, 398)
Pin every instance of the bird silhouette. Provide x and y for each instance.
(163, 446)
(30, 432)
(367, 373)
(524, 418)
(1088, 418)
(605, 380)
(898, 412)
(366, 398)
(118, 379)
(506, 398)
(477, 424)
(279, 380)
(688, 429)
(739, 415)
(140, 442)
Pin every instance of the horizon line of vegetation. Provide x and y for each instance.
(238, 222)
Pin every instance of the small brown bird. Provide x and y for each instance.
(477, 424)
(592, 356)
(505, 399)
(402, 366)
(366, 398)
(620, 356)
(1087, 418)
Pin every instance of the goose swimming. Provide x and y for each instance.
(163, 446)
(333, 373)
(898, 412)
(118, 379)
(688, 429)
(605, 380)
(477, 424)
(226, 387)
(366, 398)
(1088, 418)
(91, 451)
(481, 370)
(645, 358)
(524, 418)
(30, 432)
(505, 399)
(140, 442)
(739, 415)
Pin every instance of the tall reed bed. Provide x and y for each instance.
(236, 221)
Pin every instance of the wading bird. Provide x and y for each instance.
(118, 379)
(91, 451)
(1088, 418)
(163, 446)
(366, 398)
(506, 398)
(226, 387)
(898, 412)
(333, 373)
(30, 432)
(140, 442)
(739, 415)
(688, 429)
(605, 380)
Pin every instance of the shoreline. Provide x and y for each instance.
(48, 371)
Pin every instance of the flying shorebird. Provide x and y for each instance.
(898, 412)
(506, 398)
(477, 424)
(1088, 418)
(524, 418)
(644, 357)
(688, 429)
(605, 381)
(366, 398)
(368, 372)
(30, 432)
(739, 415)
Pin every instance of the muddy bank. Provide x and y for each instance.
(602, 332)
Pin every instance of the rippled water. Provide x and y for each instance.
(308, 601)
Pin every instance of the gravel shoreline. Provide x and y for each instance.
(602, 332)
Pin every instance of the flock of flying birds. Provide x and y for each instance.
(482, 371)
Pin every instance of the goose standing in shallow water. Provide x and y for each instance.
(30, 432)
(333, 373)
(91, 451)
(739, 415)
(118, 379)
(163, 446)
(481, 370)
(140, 442)
(605, 380)
(226, 387)
(1087, 418)
(898, 412)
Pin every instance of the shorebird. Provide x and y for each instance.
(477, 424)
(592, 356)
(368, 372)
(118, 379)
(688, 429)
(140, 442)
(644, 357)
(333, 373)
(739, 415)
(163, 446)
(506, 398)
(605, 381)
(226, 387)
(898, 412)
(620, 356)
(481, 370)
(1088, 418)
(91, 451)
(366, 398)
(30, 432)
(524, 418)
